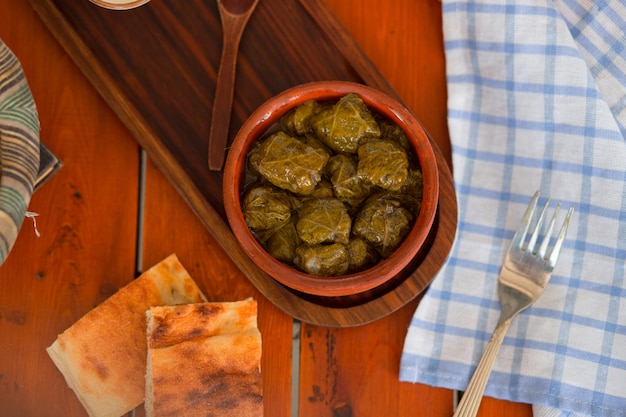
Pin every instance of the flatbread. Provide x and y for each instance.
(103, 355)
(204, 360)
(168, 325)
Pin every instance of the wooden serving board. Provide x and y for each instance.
(156, 67)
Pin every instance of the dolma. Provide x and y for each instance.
(283, 243)
(383, 223)
(323, 189)
(291, 164)
(347, 186)
(383, 163)
(312, 140)
(360, 255)
(266, 209)
(391, 131)
(410, 194)
(342, 126)
(252, 164)
(324, 260)
(323, 220)
(297, 121)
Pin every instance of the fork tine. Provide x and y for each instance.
(533, 239)
(554, 255)
(520, 234)
(541, 253)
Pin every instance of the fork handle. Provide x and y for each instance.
(470, 401)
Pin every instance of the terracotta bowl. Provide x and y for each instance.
(270, 113)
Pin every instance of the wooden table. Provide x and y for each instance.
(109, 214)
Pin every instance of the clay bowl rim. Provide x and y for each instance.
(270, 113)
(127, 5)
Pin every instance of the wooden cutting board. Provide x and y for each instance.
(156, 67)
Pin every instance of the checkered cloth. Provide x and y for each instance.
(537, 100)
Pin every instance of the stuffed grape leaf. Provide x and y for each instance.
(312, 140)
(323, 189)
(266, 209)
(324, 260)
(393, 132)
(283, 242)
(342, 126)
(298, 121)
(291, 164)
(383, 223)
(323, 220)
(383, 163)
(347, 186)
(360, 255)
(252, 164)
(410, 194)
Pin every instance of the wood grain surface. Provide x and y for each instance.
(97, 235)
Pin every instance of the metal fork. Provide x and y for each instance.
(524, 275)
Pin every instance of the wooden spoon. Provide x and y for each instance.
(234, 15)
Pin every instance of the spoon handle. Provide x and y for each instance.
(222, 103)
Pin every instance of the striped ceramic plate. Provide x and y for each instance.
(19, 148)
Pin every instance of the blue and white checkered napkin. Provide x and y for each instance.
(537, 100)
